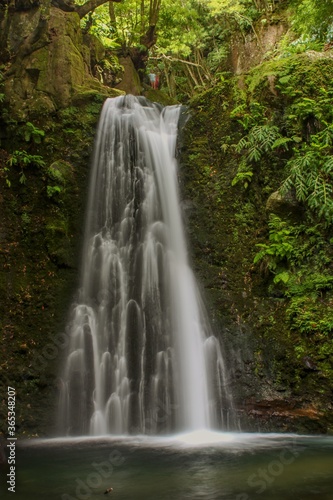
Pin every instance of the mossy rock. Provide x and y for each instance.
(291, 76)
(158, 96)
(61, 171)
(130, 83)
(95, 48)
(84, 95)
(54, 74)
(58, 242)
(284, 206)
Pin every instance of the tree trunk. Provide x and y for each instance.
(112, 14)
(148, 39)
(5, 16)
(142, 16)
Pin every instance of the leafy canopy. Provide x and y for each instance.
(313, 18)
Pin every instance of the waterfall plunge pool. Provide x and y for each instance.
(200, 465)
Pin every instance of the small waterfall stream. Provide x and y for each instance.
(142, 358)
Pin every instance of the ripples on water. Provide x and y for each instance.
(209, 466)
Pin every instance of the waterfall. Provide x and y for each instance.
(142, 358)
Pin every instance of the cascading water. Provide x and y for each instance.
(142, 358)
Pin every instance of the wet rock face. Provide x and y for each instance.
(282, 415)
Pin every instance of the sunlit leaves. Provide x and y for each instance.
(314, 18)
(226, 6)
(179, 28)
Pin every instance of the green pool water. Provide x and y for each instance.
(220, 466)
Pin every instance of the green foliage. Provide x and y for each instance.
(260, 139)
(180, 29)
(55, 175)
(217, 57)
(308, 315)
(53, 190)
(22, 159)
(295, 258)
(280, 250)
(226, 6)
(311, 176)
(300, 138)
(311, 166)
(313, 284)
(249, 115)
(131, 22)
(32, 133)
(26, 219)
(193, 36)
(313, 19)
(242, 177)
(243, 11)
(298, 257)
(289, 46)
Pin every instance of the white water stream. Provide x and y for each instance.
(142, 358)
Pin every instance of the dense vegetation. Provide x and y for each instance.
(267, 228)
(257, 167)
(189, 40)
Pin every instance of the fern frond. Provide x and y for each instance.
(286, 186)
(327, 167)
(254, 154)
(281, 141)
(243, 144)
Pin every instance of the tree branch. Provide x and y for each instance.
(83, 10)
(175, 59)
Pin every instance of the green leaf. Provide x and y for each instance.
(281, 141)
(22, 178)
(282, 277)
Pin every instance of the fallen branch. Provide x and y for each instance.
(176, 59)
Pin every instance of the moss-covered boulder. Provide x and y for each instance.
(130, 82)
(50, 64)
(284, 205)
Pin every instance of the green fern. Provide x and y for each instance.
(281, 246)
(32, 133)
(243, 177)
(22, 159)
(253, 146)
(281, 142)
(310, 176)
